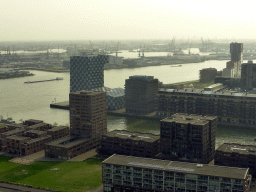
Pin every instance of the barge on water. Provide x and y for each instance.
(56, 79)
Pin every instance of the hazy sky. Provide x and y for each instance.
(125, 19)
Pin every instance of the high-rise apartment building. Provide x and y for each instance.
(88, 114)
(248, 76)
(87, 71)
(188, 138)
(88, 122)
(236, 50)
(140, 94)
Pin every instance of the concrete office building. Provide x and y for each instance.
(248, 76)
(236, 155)
(124, 142)
(233, 67)
(207, 75)
(188, 138)
(140, 94)
(87, 71)
(88, 122)
(232, 108)
(128, 174)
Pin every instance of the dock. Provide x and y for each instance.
(60, 105)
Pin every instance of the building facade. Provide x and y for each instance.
(124, 142)
(88, 122)
(140, 94)
(129, 174)
(188, 138)
(248, 76)
(236, 155)
(236, 50)
(231, 108)
(87, 72)
(207, 75)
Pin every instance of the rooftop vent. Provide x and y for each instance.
(199, 165)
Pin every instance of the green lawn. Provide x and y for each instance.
(71, 176)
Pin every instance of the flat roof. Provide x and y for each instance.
(186, 119)
(18, 138)
(37, 125)
(57, 128)
(13, 131)
(34, 121)
(84, 92)
(37, 139)
(124, 134)
(175, 166)
(36, 131)
(237, 148)
(198, 92)
(68, 141)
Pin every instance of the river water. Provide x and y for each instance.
(32, 101)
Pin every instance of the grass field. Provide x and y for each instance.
(71, 176)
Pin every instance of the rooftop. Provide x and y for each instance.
(198, 92)
(123, 134)
(34, 121)
(191, 119)
(37, 139)
(84, 92)
(36, 132)
(18, 138)
(175, 166)
(67, 142)
(13, 131)
(57, 128)
(37, 125)
(142, 78)
(237, 148)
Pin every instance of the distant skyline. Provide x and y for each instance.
(55, 20)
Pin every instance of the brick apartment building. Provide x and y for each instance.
(188, 138)
(124, 142)
(26, 145)
(236, 155)
(29, 137)
(58, 132)
(140, 94)
(88, 122)
(128, 174)
(233, 108)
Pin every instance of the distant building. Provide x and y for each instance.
(188, 138)
(230, 107)
(115, 97)
(236, 155)
(87, 71)
(233, 67)
(207, 75)
(126, 173)
(248, 76)
(124, 142)
(140, 94)
(230, 82)
(66, 64)
(88, 122)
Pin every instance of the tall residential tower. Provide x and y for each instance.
(87, 71)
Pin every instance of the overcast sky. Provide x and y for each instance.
(125, 19)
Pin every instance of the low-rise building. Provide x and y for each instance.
(126, 173)
(4, 135)
(26, 145)
(130, 143)
(32, 122)
(58, 132)
(40, 126)
(236, 155)
(68, 147)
